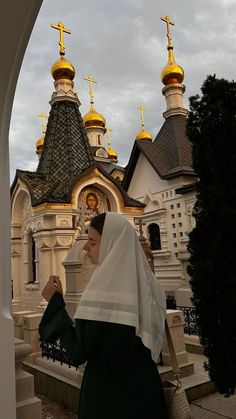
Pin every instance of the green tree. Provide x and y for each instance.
(211, 128)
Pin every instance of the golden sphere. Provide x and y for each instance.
(39, 142)
(63, 69)
(171, 74)
(112, 153)
(144, 135)
(93, 119)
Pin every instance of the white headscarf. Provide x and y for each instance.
(123, 289)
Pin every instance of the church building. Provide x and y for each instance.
(77, 174)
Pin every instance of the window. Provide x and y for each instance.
(154, 236)
(179, 214)
(173, 225)
(172, 206)
(172, 215)
(31, 258)
(99, 139)
(174, 235)
(180, 224)
(178, 205)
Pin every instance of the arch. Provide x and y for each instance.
(17, 205)
(154, 236)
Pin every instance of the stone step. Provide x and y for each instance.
(193, 345)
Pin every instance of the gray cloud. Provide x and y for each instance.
(123, 44)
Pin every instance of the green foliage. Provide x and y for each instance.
(211, 128)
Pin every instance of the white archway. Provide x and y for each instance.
(15, 30)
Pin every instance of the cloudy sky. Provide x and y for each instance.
(122, 43)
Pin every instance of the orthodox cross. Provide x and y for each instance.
(61, 28)
(82, 212)
(142, 109)
(168, 22)
(43, 116)
(139, 222)
(91, 80)
(109, 136)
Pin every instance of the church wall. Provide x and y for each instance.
(172, 213)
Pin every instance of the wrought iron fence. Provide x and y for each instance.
(56, 352)
(190, 320)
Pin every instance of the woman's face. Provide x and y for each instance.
(93, 245)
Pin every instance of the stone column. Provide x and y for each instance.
(16, 266)
(27, 405)
(12, 49)
(31, 333)
(78, 270)
(175, 320)
(18, 322)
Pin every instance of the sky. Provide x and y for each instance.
(122, 43)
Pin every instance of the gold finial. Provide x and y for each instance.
(91, 80)
(43, 116)
(109, 136)
(143, 135)
(61, 28)
(142, 109)
(168, 22)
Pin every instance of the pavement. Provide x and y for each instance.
(214, 406)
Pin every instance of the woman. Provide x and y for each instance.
(118, 328)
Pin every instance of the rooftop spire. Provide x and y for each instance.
(168, 22)
(111, 153)
(43, 116)
(143, 135)
(93, 119)
(172, 73)
(109, 136)
(91, 80)
(61, 28)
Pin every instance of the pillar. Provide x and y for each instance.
(13, 48)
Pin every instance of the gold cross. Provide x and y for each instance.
(61, 28)
(168, 22)
(43, 116)
(108, 136)
(91, 80)
(142, 109)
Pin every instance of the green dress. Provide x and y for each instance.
(120, 381)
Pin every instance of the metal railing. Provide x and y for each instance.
(56, 352)
(190, 320)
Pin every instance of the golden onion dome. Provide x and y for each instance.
(93, 119)
(172, 72)
(39, 142)
(112, 154)
(63, 69)
(144, 135)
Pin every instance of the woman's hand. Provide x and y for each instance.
(53, 285)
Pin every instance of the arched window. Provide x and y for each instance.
(154, 236)
(99, 139)
(31, 258)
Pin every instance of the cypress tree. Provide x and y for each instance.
(211, 128)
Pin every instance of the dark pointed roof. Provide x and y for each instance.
(65, 159)
(66, 154)
(66, 151)
(170, 154)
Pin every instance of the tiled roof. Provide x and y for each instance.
(66, 158)
(66, 150)
(170, 154)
